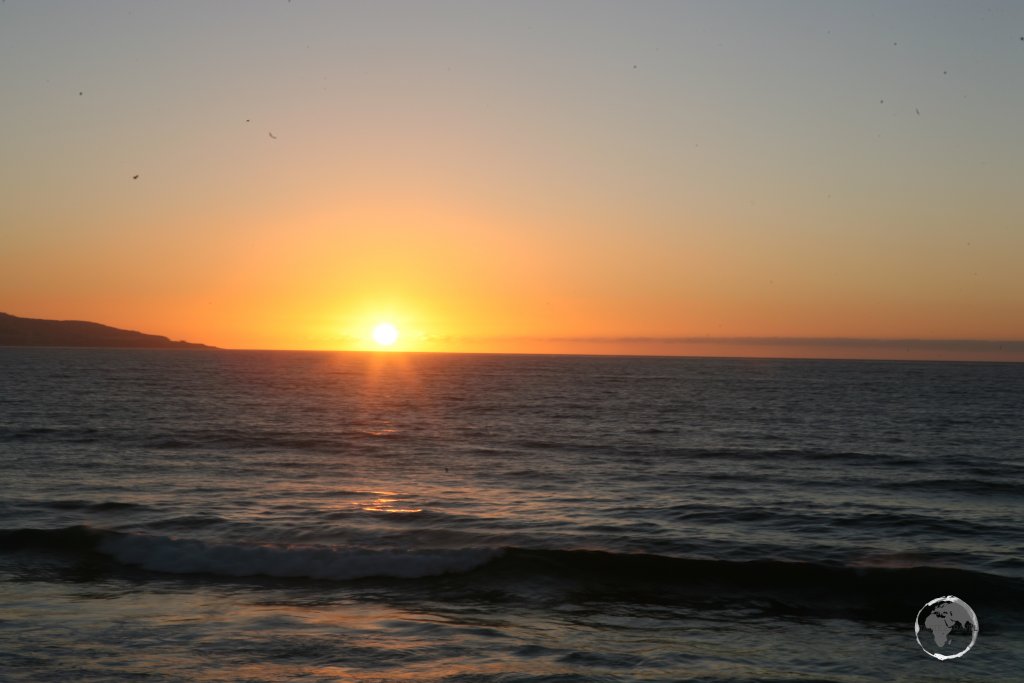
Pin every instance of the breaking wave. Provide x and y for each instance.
(878, 592)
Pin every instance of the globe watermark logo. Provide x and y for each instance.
(946, 627)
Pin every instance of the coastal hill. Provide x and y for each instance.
(15, 331)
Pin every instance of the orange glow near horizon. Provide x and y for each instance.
(456, 276)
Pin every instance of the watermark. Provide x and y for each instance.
(946, 627)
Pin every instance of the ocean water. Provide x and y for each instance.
(272, 516)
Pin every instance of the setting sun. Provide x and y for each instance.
(385, 334)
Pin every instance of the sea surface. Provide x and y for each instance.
(278, 516)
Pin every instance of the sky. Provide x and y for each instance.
(712, 178)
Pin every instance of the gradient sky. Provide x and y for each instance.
(576, 177)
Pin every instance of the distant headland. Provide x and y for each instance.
(15, 331)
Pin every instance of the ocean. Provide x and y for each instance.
(280, 516)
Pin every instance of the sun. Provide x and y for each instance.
(385, 334)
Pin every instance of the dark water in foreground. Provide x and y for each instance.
(223, 516)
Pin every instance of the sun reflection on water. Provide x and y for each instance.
(386, 505)
(384, 501)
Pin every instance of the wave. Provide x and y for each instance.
(877, 592)
(342, 440)
(268, 440)
(259, 440)
(980, 487)
(88, 505)
(190, 556)
(760, 454)
(861, 458)
(49, 434)
(757, 588)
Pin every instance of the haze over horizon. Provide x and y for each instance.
(645, 178)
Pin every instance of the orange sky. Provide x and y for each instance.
(520, 178)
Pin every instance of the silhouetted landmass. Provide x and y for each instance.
(15, 331)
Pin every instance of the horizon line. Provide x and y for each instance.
(905, 343)
(838, 345)
(962, 344)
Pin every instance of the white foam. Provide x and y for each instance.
(182, 556)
